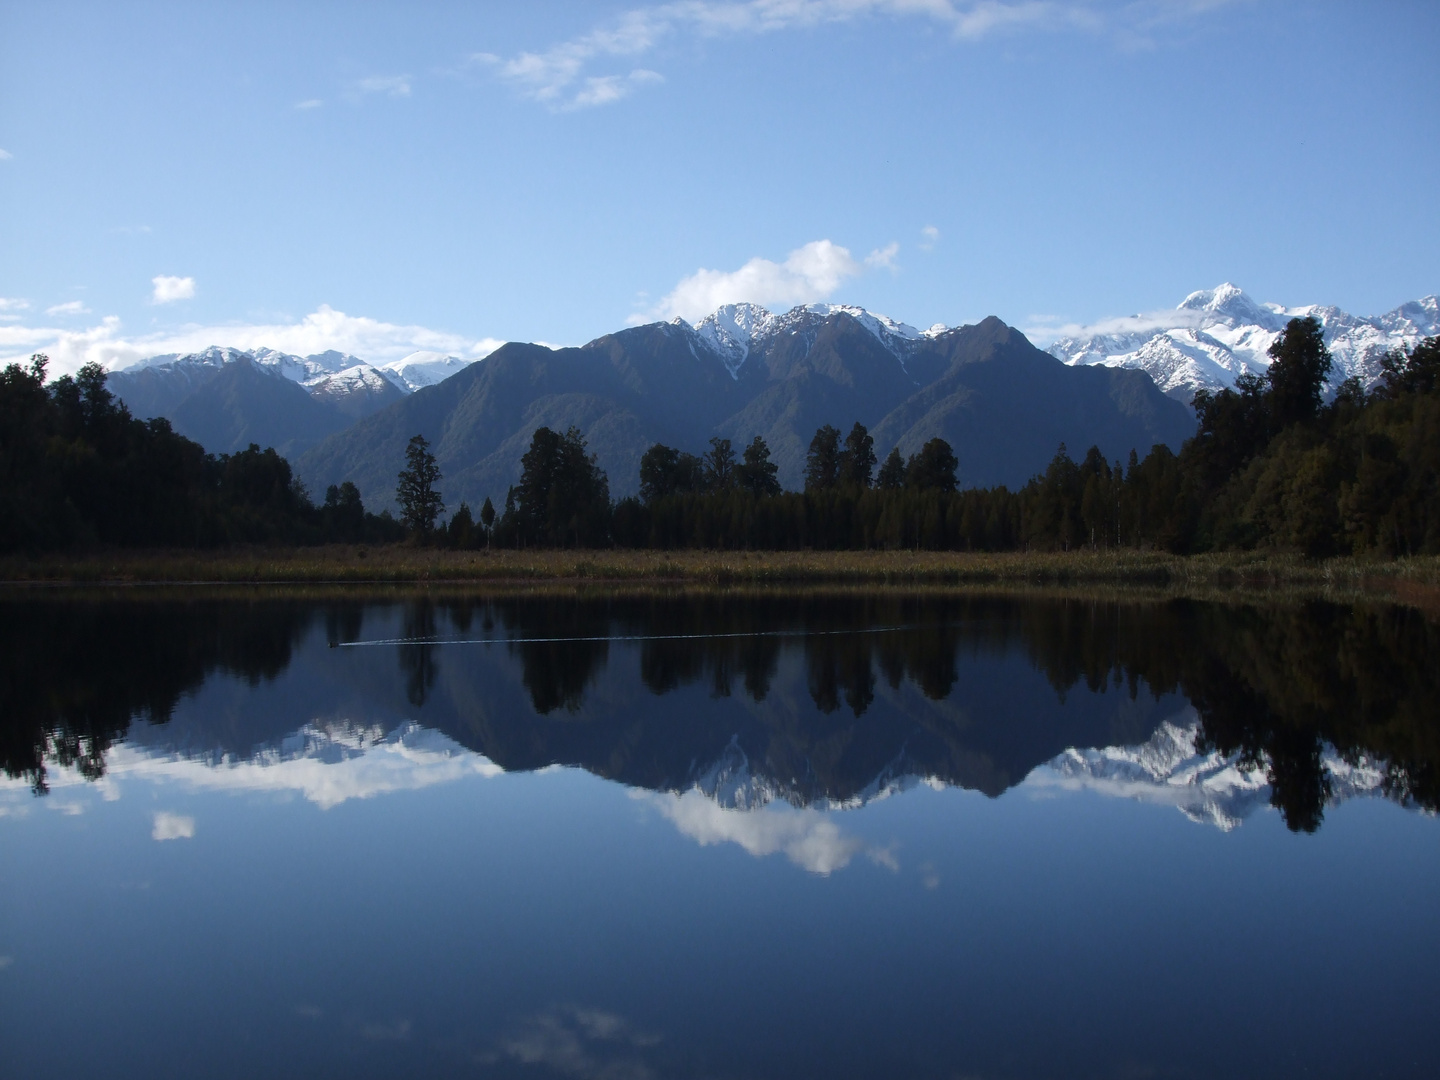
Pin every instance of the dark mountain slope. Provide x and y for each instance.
(1003, 404)
(244, 403)
(215, 398)
(1005, 407)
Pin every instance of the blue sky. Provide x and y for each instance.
(383, 178)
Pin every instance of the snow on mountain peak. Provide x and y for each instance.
(732, 330)
(1208, 788)
(1215, 335)
(421, 369)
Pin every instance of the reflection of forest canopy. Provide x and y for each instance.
(1273, 685)
(74, 673)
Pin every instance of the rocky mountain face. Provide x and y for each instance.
(1004, 405)
(1216, 335)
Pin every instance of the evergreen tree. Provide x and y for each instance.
(756, 473)
(1298, 369)
(822, 461)
(563, 498)
(487, 519)
(420, 503)
(344, 512)
(719, 466)
(892, 473)
(857, 460)
(933, 469)
(667, 471)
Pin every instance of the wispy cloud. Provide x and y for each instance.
(592, 1044)
(11, 308)
(929, 237)
(809, 274)
(1045, 331)
(131, 230)
(169, 289)
(70, 307)
(390, 85)
(315, 103)
(5, 155)
(561, 77)
(884, 258)
(105, 343)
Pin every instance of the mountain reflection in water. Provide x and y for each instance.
(815, 699)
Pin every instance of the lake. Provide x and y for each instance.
(737, 833)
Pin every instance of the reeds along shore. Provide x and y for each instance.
(405, 563)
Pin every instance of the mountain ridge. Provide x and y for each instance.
(1215, 335)
(1003, 404)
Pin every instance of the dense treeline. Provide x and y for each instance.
(76, 469)
(1270, 466)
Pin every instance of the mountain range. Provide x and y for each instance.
(1004, 405)
(226, 398)
(1216, 335)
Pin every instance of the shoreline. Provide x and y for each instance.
(406, 565)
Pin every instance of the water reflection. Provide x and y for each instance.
(812, 699)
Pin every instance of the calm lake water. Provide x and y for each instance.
(736, 834)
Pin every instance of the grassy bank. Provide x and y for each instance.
(405, 564)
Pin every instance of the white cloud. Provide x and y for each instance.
(6, 961)
(309, 103)
(131, 230)
(808, 838)
(558, 77)
(169, 289)
(884, 258)
(5, 155)
(170, 826)
(1045, 330)
(393, 85)
(929, 237)
(70, 307)
(10, 308)
(809, 274)
(324, 329)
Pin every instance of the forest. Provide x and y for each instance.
(1272, 465)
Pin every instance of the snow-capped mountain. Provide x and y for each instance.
(1215, 335)
(419, 369)
(225, 398)
(734, 330)
(1207, 788)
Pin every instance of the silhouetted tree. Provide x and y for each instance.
(1299, 366)
(719, 465)
(667, 471)
(822, 460)
(756, 473)
(563, 498)
(420, 503)
(487, 518)
(857, 459)
(933, 469)
(892, 473)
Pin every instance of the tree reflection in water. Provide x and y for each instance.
(1273, 685)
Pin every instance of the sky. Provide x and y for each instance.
(386, 178)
